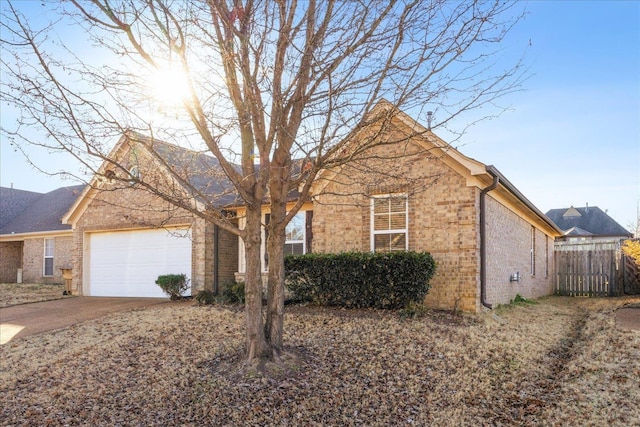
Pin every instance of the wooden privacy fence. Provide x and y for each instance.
(588, 269)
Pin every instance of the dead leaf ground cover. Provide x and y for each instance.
(558, 362)
(14, 293)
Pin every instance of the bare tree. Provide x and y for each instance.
(634, 226)
(272, 88)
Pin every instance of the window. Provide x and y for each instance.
(294, 244)
(295, 238)
(48, 257)
(389, 223)
(134, 172)
(533, 251)
(546, 256)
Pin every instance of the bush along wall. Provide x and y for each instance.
(173, 285)
(387, 280)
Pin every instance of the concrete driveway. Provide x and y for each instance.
(628, 317)
(31, 319)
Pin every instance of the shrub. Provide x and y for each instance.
(173, 285)
(205, 297)
(232, 292)
(631, 248)
(360, 279)
(519, 299)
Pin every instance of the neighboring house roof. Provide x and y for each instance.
(577, 231)
(43, 213)
(13, 202)
(586, 221)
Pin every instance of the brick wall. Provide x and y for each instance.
(442, 216)
(10, 261)
(33, 259)
(228, 256)
(127, 209)
(509, 251)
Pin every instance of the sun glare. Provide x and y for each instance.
(169, 87)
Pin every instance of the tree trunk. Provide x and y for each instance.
(275, 288)
(278, 191)
(256, 345)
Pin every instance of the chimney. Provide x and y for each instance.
(429, 119)
(586, 210)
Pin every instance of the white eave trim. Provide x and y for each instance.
(14, 237)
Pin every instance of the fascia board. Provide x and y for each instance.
(17, 237)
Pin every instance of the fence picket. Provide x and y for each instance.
(587, 269)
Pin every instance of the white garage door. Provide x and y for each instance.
(127, 263)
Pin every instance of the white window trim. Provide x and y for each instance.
(45, 257)
(242, 267)
(405, 230)
(304, 232)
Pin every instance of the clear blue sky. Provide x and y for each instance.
(571, 137)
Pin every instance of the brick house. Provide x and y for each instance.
(413, 191)
(410, 191)
(125, 237)
(34, 244)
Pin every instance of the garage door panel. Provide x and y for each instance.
(127, 263)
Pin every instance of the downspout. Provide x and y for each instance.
(483, 239)
(216, 261)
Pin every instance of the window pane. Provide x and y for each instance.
(381, 222)
(293, 249)
(48, 266)
(398, 221)
(397, 242)
(380, 205)
(397, 204)
(381, 242)
(295, 228)
(48, 247)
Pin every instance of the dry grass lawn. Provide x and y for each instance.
(14, 294)
(559, 362)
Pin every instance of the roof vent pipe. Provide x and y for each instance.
(483, 238)
(429, 119)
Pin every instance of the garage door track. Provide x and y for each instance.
(31, 319)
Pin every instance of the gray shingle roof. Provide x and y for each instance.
(43, 213)
(591, 219)
(202, 171)
(13, 202)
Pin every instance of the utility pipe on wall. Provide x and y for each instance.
(483, 238)
(216, 261)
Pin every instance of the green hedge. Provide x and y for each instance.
(360, 279)
(173, 285)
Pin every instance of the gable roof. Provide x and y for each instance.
(199, 170)
(586, 221)
(475, 172)
(204, 173)
(40, 212)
